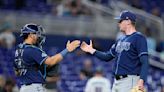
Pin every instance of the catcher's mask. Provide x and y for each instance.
(35, 29)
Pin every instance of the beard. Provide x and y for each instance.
(122, 30)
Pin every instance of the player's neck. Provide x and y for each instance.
(27, 41)
(130, 30)
(98, 75)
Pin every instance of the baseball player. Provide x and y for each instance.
(130, 53)
(98, 83)
(31, 61)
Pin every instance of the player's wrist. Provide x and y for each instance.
(64, 52)
(92, 51)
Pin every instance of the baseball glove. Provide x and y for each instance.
(136, 89)
(53, 70)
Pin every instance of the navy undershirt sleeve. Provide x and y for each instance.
(103, 56)
(144, 67)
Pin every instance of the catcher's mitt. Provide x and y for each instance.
(53, 70)
(136, 89)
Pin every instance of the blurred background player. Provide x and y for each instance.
(29, 58)
(7, 38)
(87, 68)
(130, 53)
(98, 83)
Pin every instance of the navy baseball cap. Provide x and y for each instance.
(99, 69)
(126, 15)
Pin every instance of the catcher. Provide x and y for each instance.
(31, 61)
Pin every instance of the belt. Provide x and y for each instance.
(28, 84)
(118, 77)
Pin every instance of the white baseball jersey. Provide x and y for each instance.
(98, 84)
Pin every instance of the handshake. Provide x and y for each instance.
(71, 46)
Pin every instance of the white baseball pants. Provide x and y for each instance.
(125, 84)
(32, 88)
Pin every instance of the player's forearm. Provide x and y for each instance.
(144, 67)
(56, 58)
(103, 56)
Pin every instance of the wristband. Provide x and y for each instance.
(64, 52)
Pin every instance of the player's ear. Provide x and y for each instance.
(128, 22)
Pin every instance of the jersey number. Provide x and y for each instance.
(20, 68)
(98, 89)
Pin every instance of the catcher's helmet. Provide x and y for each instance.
(32, 28)
(35, 29)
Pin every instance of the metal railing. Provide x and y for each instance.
(81, 26)
(101, 24)
(144, 19)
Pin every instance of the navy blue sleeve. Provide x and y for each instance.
(103, 56)
(112, 50)
(141, 46)
(38, 55)
(142, 51)
(106, 56)
(144, 67)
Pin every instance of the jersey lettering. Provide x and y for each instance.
(20, 68)
(122, 46)
(98, 89)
